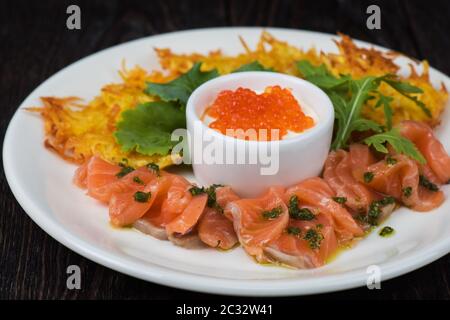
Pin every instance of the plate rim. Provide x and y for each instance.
(183, 279)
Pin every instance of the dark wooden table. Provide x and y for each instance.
(35, 43)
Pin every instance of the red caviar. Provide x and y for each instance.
(275, 109)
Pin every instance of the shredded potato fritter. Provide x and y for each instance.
(77, 132)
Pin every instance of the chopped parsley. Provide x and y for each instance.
(314, 238)
(368, 176)
(424, 182)
(375, 209)
(391, 160)
(340, 200)
(140, 196)
(295, 231)
(124, 171)
(386, 231)
(407, 191)
(273, 213)
(299, 213)
(154, 167)
(211, 192)
(138, 180)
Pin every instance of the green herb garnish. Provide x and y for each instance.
(424, 182)
(375, 209)
(138, 180)
(391, 160)
(350, 95)
(252, 66)
(154, 167)
(314, 238)
(140, 196)
(295, 231)
(368, 176)
(124, 171)
(298, 213)
(211, 192)
(180, 89)
(272, 213)
(407, 191)
(147, 129)
(340, 200)
(386, 231)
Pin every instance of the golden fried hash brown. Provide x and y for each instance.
(78, 132)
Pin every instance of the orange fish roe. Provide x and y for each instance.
(276, 108)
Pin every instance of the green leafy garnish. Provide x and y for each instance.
(299, 213)
(314, 238)
(155, 168)
(140, 196)
(138, 180)
(147, 129)
(407, 191)
(350, 95)
(390, 160)
(386, 231)
(375, 209)
(424, 182)
(211, 193)
(397, 141)
(272, 213)
(180, 89)
(124, 171)
(295, 231)
(368, 176)
(340, 200)
(252, 66)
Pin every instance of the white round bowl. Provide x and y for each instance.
(289, 160)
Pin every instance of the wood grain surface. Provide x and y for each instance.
(35, 44)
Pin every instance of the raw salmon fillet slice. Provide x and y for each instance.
(339, 170)
(254, 231)
(317, 193)
(294, 250)
(214, 228)
(438, 161)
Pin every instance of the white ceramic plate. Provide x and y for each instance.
(42, 183)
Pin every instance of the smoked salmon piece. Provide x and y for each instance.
(339, 170)
(315, 192)
(398, 176)
(214, 228)
(80, 177)
(305, 244)
(258, 222)
(127, 207)
(189, 217)
(437, 167)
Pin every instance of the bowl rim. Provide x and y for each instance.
(320, 126)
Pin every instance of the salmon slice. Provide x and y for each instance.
(254, 227)
(214, 228)
(102, 180)
(125, 208)
(294, 249)
(432, 149)
(400, 178)
(80, 176)
(172, 200)
(315, 192)
(189, 217)
(100, 176)
(338, 173)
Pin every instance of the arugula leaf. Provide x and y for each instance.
(252, 66)
(385, 101)
(320, 75)
(147, 129)
(181, 88)
(397, 141)
(405, 89)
